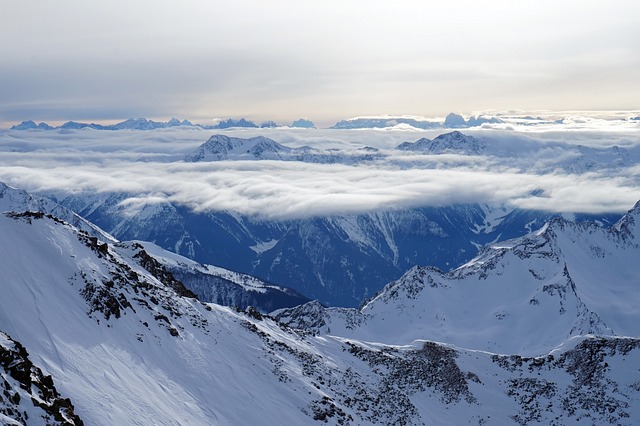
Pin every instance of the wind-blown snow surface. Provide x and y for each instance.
(129, 349)
(522, 296)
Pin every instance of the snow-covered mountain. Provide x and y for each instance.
(146, 124)
(456, 121)
(452, 121)
(447, 143)
(210, 283)
(129, 124)
(222, 147)
(126, 344)
(222, 286)
(31, 125)
(12, 199)
(383, 122)
(519, 296)
(551, 157)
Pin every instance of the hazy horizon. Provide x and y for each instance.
(326, 61)
(507, 115)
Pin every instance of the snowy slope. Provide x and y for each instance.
(127, 348)
(523, 296)
(12, 199)
(222, 286)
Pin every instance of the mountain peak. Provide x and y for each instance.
(221, 147)
(526, 295)
(454, 120)
(25, 125)
(29, 125)
(303, 123)
(447, 143)
(226, 124)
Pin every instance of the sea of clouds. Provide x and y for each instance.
(570, 167)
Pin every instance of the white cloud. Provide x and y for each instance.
(517, 165)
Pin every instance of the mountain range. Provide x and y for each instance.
(451, 121)
(523, 296)
(537, 330)
(145, 124)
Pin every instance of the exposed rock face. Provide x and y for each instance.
(28, 395)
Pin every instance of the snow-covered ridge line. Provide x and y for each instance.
(525, 296)
(222, 286)
(127, 348)
(221, 147)
(12, 199)
(453, 148)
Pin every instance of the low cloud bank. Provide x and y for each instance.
(148, 167)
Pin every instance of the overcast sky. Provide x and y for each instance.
(324, 60)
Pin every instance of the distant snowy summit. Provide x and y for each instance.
(452, 121)
(222, 147)
(383, 122)
(303, 123)
(145, 124)
(448, 143)
(30, 125)
(455, 121)
(130, 124)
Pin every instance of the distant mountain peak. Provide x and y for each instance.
(221, 147)
(384, 122)
(30, 125)
(303, 123)
(447, 143)
(456, 121)
(230, 122)
(453, 120)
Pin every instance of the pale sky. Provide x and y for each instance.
(324, 60)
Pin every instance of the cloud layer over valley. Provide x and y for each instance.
(554, 170)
